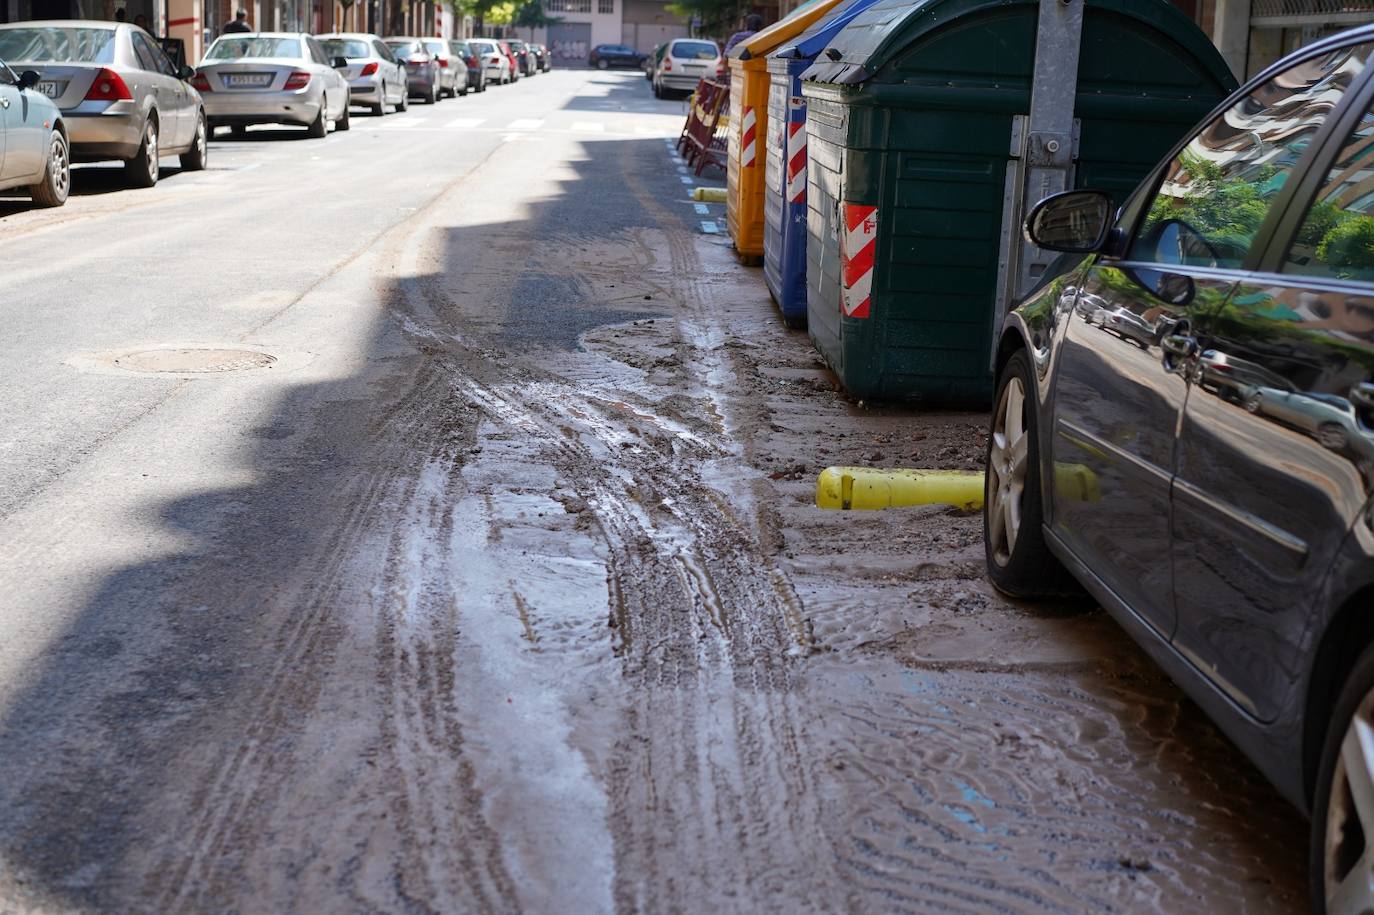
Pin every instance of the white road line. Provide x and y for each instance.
(702, 208)
(466, 123)
(589, 127)
(686, 179)
(525, 124)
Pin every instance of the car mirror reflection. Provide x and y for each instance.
(1075, 222)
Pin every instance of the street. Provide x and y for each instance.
(422, 520)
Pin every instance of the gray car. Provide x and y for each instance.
(34, 154)
(422, 70)
(119, 94)
(375, 77)
(453, 70)
(272, 78)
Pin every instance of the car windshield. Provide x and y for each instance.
(346, 47)
(695, 50)
(233, 48)
(461, 49)
(59, 45)
(403, 48)
(435, 47)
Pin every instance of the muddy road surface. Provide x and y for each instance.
(501, 587)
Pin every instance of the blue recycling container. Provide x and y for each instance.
(784, 193)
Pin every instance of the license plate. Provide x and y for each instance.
(49, 88)
(247, 79)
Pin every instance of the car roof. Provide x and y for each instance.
(267, 35)
(67, 24)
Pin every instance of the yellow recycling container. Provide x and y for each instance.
(749, 125)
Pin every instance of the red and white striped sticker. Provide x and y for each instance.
(796, 162)
(748, 133)
(857, 247)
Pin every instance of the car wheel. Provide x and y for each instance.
(602, 65)
(432, 96)
(318, 128)
(379, 109)
(193, 160)
(1331, 435)
(1343, 807)
(405, 101)
(1252, 403)
(342, 123)
(142, 169)
(658, 90)
(57, 176)
(1019, 561)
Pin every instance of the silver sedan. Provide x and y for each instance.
(375, 77)
(272, 78)
(119, 94)
(34, 154)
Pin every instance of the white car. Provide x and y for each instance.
(272, 78)
(494, 61)
(34, 153)
(375, 77)
(684, 62)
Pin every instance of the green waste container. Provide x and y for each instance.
(925, 142)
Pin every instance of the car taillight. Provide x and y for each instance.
(369, 68)
(199, 82)
(108, 86)
(418, 60)
(299, 79)
(720, 67)
(495, 59)
(443, 63)
(667, 65)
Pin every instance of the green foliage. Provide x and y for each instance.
(718, 17)
(1348, 248)
(531, 15)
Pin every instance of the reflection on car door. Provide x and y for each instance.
(1271, 477)
(169, 94)
(1118, 404)
(9, 101)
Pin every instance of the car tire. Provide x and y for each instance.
(142, 170)
(1019, 560)
(432, 97)
(405, 101)
(1334, 840)
(56, 184)
(193, 160)
(602, 65)
(318, 127)
(658, 90)
(342, 123)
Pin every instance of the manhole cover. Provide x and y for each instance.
(193, 361)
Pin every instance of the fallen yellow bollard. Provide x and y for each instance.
(709, 194)
(868, 488)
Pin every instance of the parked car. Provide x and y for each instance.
(34, 154)
(494, 61)
(118, 94)
(515, 70)
(605, 56)
(273, 78)
(453, 72)
(422, 70)
(1127, 325)
(375, 77)
(650, 61)
(471, 63)
(1239, 554)
(543, 58)
(526, 61)
(683, 63)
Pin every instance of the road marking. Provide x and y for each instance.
(702, 208)
(686, 179)
(589, 127)
(709, 226)
(525, 124)
(402, 124)
(466, 123)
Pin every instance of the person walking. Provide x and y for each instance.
(240, 23)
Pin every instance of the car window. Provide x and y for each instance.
(1336, 239)
(383, 52)
(1216, 193)
(345, 47)
(695, 50)
(402, 48)
(59, 45)
(144, 52)
(316, 52)
(160, 58)
(435, 47)
(229, 47)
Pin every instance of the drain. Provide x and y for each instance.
(193, 361)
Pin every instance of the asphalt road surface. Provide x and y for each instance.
(419, 520)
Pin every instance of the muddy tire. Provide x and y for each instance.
(1342, 824)
(1019, 561)
(56, 184)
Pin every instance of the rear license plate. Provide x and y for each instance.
(49, 88)
(247, 80)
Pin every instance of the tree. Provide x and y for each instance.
(531, 16)
(718, 17)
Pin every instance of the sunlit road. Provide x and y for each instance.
(419, 520)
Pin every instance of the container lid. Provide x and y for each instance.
(813, 40)
(785, 29)
(887, 27)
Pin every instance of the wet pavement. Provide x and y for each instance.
(507, 591)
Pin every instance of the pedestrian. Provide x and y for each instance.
(752, 23)
(240, 23)
(142, 22)
(120, 15)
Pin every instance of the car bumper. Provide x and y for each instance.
(364, 87)
(115, 132)
(262, 107)
(420, 84)
(679, 80)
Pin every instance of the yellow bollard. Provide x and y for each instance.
(868, 488)
(709, 194)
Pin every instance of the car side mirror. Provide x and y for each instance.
(28, 79)
(184, 72)
(1075, 222)
(339, 63)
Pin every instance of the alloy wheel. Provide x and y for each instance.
(1348, 858)
(1007, 462)
(150, 148)
(61, 167)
